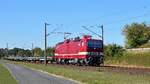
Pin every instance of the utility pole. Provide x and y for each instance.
(6, 49)
(102, 27)
(32, 50)
(45, 53)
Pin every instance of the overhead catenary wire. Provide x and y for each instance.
(54, 30)
(66, 34)
(127, 19)
(91, 31)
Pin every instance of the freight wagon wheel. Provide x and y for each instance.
(78, 62)
(62, 61)
(51, 61)
(58, 61)
(84, 63)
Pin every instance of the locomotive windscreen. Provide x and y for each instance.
(94, 44)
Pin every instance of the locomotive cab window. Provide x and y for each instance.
(94, 44)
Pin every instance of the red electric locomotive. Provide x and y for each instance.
(85, 51)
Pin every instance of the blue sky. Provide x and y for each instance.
(22, 21)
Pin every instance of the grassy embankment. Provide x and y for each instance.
(141, 59)
(92, 77)
(5, 76)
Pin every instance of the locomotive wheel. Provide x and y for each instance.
(66, 61)
(79, 62)
(90, 61)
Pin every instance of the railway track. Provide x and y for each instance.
(103, 68)
(125, 69)
(108, 68)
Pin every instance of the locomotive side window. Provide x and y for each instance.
(95, 44)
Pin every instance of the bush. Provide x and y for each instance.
(113, 50)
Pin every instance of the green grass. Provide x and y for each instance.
(92, 77)
(135, 59)
(5, 76)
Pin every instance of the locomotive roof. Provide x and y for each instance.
(76, 39)
(59, 43)
(69, 40)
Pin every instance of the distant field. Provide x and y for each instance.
(132, 59)
(92, 77)
(5, 76)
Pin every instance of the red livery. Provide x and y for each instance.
(86, 51)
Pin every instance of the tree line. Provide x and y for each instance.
(26, 52)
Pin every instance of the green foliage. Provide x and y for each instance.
(28, 52)
(14, 51)
(2, 53)
(19, 52)
(37, 51)
(136, 34)
(50, 51)
(113, 50)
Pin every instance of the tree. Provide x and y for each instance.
(15, 51)
(2, 52)
(37, 51)
(12, 52)
(136, 34)
(20, 53)
(27, 52)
